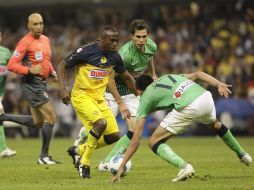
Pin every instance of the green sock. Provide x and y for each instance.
(119, 148)
(83, 133)
(2, 138)
(232, 143)
(167, 154)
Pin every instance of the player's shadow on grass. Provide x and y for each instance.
(209, 177)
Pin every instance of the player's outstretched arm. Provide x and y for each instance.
(133, 146)
(152, 69)
(125, 112)
(223, 88)
(130, 82)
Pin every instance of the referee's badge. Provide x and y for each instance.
(103, 60)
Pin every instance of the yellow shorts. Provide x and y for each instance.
(90, 110)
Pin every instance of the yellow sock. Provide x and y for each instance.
(90, 148)
(101, 142)
(81, 149)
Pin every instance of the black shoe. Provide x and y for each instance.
(75, 157)
(84, 171)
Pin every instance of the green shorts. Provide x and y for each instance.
(35, 90)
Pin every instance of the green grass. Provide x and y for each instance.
(216, 167)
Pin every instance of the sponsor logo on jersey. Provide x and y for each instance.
(181, 88)
(103, 60)
(3, 70)
(97, 73)
(95, 113)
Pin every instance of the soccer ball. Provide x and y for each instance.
(115, 163)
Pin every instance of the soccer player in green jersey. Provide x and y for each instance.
(137, 56)
(190, 103)
(5, 55)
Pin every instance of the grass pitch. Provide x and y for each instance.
(216, 167)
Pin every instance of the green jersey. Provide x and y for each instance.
(169, 91)
(5, 55)
(136, 62)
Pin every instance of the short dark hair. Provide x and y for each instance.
(138, 24)
(110, 28)
(143, 81)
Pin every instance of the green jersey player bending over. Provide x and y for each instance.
(190, 103)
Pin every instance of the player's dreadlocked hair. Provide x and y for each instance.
(138, 24)
(143, 81)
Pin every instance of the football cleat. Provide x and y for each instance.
(7, 153)
(47, 160)
(75, 157)
(246, 159)
(84, 171)
(103, 167)
(187, 172)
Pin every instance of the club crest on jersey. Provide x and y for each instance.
(97, 73)
(103, 60)
(181, 88)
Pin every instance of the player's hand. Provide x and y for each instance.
(54, 76)
(154, 77)
(65, 96)
(117, 177)
(35, 70)
(125, 112)
(224, 90)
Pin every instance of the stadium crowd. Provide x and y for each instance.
(217, 38)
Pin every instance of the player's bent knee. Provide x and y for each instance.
(110, 139)
(99, 126)
(154, 145)
(151, 141)
(38, 124)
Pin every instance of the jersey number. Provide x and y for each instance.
(166, 86)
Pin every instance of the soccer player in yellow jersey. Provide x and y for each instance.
(93, 63)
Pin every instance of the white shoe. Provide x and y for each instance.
(246, 159)
(78, 141)
(187, 172)
(7, 153)
(103, 167)
(47, 160)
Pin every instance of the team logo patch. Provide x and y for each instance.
(97, 73)
(181, 88)
(95, 113)
(103, 60)
(38, 56)
(16, 53)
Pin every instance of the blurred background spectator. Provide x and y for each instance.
(213, 36)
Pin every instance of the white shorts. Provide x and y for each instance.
(201, 110)
(130, 100)
(1, 105)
